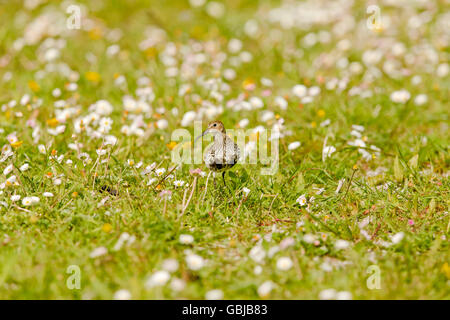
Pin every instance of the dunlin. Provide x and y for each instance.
(223, 153)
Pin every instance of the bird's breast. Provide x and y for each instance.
(222, 155)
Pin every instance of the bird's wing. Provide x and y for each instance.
(232, 152)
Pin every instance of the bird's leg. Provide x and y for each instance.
(214, 180)
(231, 193)
(223, 177)
(206, 186)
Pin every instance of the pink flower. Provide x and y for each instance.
(411, 222)
(31, 123)
(287, 242)
(165, 193)
(249, 86)
(197, 171)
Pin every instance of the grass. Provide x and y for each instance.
(409, 197)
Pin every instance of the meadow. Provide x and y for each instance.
(93, 207)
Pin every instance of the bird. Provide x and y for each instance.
(221, 155)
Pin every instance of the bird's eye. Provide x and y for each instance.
(215, 124)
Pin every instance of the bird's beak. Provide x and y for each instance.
(204, 132)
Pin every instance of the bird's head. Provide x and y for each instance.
(214, 127)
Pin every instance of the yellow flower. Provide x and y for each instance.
(313, 124)
(321, 113)
(74, 194)
(150, 52)
(446, 270)
(95, 33)
(52, 122)
(171, 145)
(34, 86)
(16, 144)
(107, 227)
(92, 76)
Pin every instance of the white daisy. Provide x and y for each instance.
(294, 145)
(159, 278)
(301, 200)
(186, 239)
(284, 263)
(194, 262)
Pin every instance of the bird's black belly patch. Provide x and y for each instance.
(215, 166)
